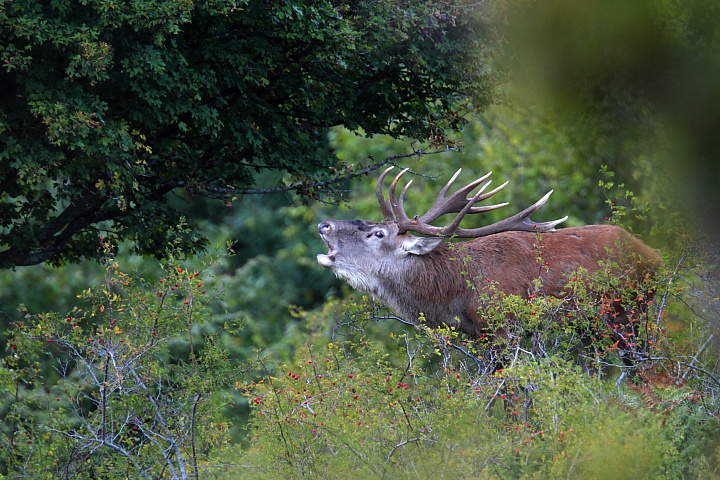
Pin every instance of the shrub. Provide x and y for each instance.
(424, 405)
(136, 385)
(341, 409)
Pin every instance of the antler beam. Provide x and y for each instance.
(394, 210)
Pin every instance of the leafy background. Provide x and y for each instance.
(279, 370)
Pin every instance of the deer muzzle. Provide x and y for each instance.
(326, 260)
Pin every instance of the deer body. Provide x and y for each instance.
(443, 283)
(422, 276)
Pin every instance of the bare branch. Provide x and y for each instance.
(703, 371)
(315, 185)
(402, 444)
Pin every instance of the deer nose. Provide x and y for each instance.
(324, 228)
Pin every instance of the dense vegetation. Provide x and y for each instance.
(109, 107)
(251, 361)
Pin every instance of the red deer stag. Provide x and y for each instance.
(422, 275)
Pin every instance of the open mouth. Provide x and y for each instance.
(327, 259)
(331, 250)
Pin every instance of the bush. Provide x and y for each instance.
(132, 384)
(139, 381)
(340, 409)
(423, 405)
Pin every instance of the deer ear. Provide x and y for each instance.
(420, 245)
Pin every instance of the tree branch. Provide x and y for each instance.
(72, 220)
(52, 239)
(322, 184)
(198, 397)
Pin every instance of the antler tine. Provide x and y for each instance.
(398, 209)
(479, 196)
(518, 222)
(450, 229)
(455, 202)
(444, 190)
(482, 196)
(385, 206)
(401, 201)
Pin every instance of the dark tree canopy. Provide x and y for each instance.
(108, 106)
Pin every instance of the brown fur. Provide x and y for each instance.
(437, 283)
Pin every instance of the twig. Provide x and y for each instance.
(697, 355)
(448, 342)
(401, 444)
(103, 401)
(663, 301)
(502, 383)
(572, 465)
(494, 396)
(702, 370)
(305, 186)
(192, 435)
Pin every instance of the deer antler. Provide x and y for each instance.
(393, 209)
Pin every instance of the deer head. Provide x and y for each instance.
(386, 241)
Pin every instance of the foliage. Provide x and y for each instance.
(131, 384)
(362, 398)
(626, 69)
(344, 409)
(421, 403)
(111, 106)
